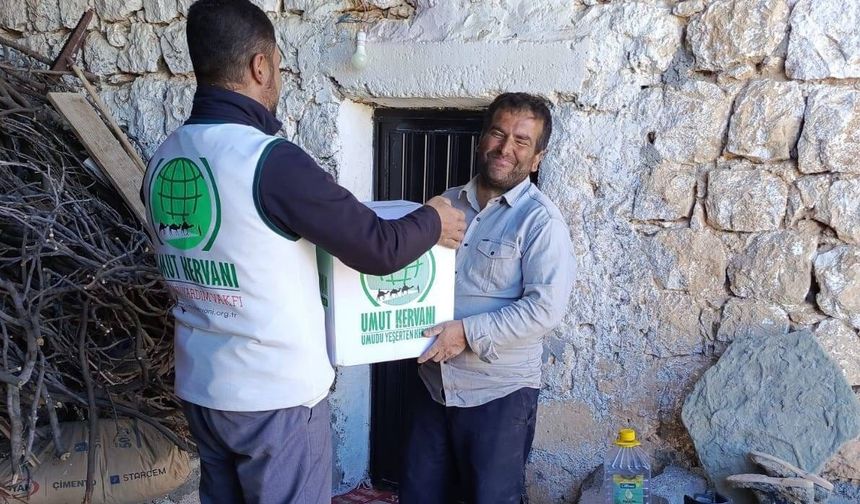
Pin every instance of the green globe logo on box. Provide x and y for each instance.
(401, 287)
(184, 204)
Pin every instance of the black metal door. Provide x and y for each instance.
(418, 154)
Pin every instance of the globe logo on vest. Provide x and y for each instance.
(184, 204)
(404, 286)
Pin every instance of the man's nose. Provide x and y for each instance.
(507, 146)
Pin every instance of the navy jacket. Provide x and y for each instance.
(304, 201)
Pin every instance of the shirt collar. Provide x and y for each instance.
(510, 198)
(214, 104)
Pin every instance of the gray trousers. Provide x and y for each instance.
(263, 457)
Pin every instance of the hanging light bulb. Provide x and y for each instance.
(359, 57)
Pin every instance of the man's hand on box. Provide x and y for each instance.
(453, 222)
(450, 341)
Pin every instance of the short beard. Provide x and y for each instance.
(501, 186)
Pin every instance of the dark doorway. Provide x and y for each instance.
(417, 155)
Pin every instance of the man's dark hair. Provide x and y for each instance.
(522, 102)
(223, 36)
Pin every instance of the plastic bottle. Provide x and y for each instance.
(627, 471)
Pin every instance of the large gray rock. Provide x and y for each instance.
(142, 53)
(839, 209)
(831, 132)
(737, 33)
(766, 121)
(688, 260)
(779, 395)
(837, 272)
(174, 47)
(843, 344)
(160, 11)
(746, 198)
(776, 266)
(99, 55)
(111, 10)
(667, 193)
(824, 41)
(693, 121)
(743, 317)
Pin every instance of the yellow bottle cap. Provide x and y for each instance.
(627, 438)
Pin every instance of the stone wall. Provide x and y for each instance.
(705, 156)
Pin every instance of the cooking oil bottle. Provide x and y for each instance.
(626, 471)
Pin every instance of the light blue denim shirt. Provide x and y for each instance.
(515, 270)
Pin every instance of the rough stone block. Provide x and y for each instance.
(667, 193)
(174, 47)
(160, 11)
(743, 317)
(688, 260)
(723, 39)
(776, 267)
(142, 53)
(688, 8)
(779, 395)
(843, 344)
(839, 209)
(147, 125)
(13, 15)
(845, 465)
(44, 15)
(837, 272)
(117, 34)
(692, 123)
(267, 5)
(766, 122)
(72, 10)
(675, 327)
(824, 41)
(831, 132)
(675, 482)
(112, 10)
(99, 55)
(746, 198)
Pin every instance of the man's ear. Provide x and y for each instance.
(259, 68)
(536, 163)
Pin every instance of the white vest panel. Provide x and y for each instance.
(250, 329)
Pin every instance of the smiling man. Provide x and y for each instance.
(475, 417)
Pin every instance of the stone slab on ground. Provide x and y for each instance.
(778, 468)
(769, 490)
(770, 394)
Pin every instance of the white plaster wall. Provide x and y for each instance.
(670, 116)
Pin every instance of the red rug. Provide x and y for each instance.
(366, 496)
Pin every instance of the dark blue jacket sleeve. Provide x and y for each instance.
(302, 200)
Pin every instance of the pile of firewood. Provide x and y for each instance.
(85, 331)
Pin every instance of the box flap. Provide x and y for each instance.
(390, 210)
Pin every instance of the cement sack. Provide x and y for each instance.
(134, 463)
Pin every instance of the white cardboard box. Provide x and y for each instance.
(377, 319)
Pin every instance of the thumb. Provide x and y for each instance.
(433, 331)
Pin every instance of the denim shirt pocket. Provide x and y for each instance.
(500, 262)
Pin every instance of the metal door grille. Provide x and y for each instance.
(418, 154)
